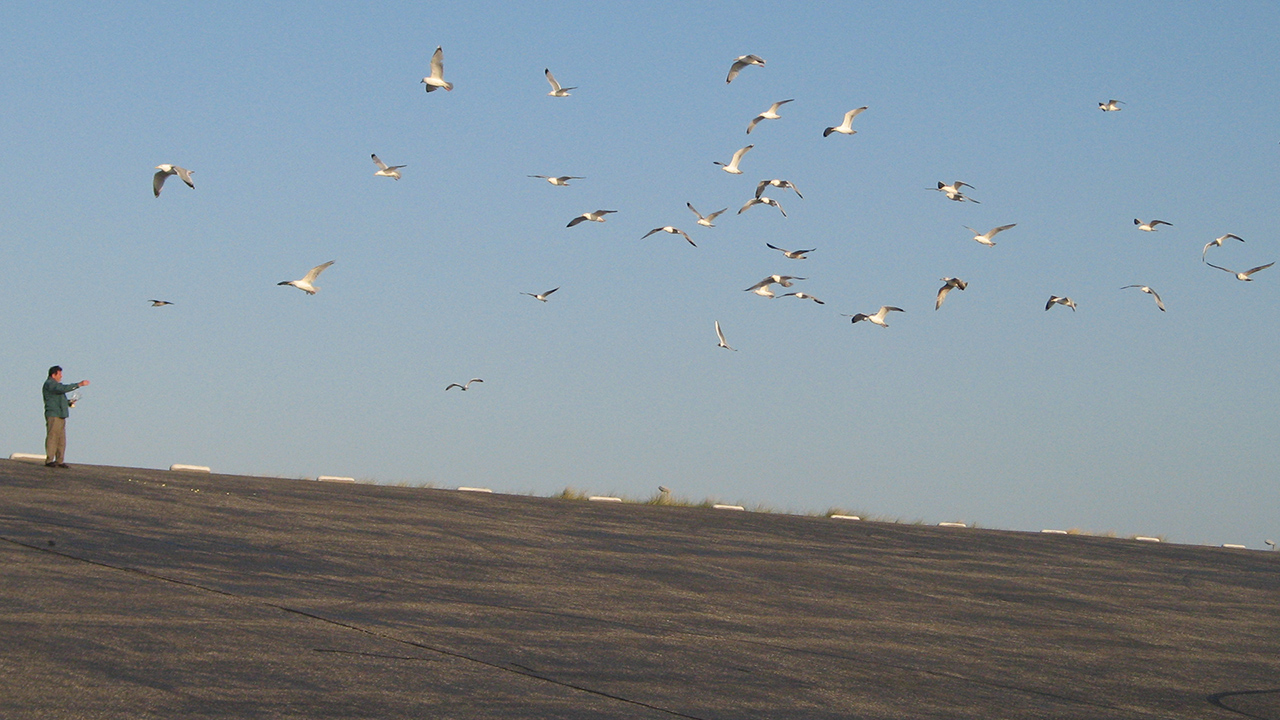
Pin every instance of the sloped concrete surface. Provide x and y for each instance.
(130, 593)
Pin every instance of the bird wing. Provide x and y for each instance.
(777, 205)
(849, 116)
(763, 283)
(720, 333)
(1260, 267)
(1233, 272)
(1052, 299)
(185, 174)
(754, 121)
(685, 235)
(555, 86)
(738, 155)
(650, 233)
(437, 64)
(752, 201)
(942, 295)
(775, 247)
(860, 317)
(547, 293)
(1001, 229)
(734, 69)
(1160, 222)
(695, 210)
(314, 272)
(450, 386)
(774, 107)
(576, 220)
(157, 181)
(381, 165)
(1159, 302)
(760, 186)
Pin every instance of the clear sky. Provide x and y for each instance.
(1116, 417)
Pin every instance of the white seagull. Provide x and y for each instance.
(783, 184)
(541, 296)
(436, 78)
(392, 171)
(792, 254)
(878, 318)
(732, 167)
(762, 200)
(846, 127)
(306, 283)
(1149, 291)
(1243, 275)
(723, 344)
(463, 388)
(985, 238)
(1151, 226)
(705, 221)
(952, 191)
(740, 62)
(157, 180)
(1110, 106)
(1054, 299)
(762, 288)
(1218, 242)
(949, 284)
(803, 296)
(561, 181)
(556, 90)
(597, 216)
(770, 114)
(672, 231)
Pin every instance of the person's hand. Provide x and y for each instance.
(83, 383)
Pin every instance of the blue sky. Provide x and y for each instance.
(1116, 417)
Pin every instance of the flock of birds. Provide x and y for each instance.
(952, 191)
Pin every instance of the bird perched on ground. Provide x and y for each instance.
(792, 254)
(985, 238)
(556, 90)
(463, 388)
(762, 288)
(157, 180)
(732, 167)
(770, 114)
(1060, 301)
(562, 181)
(952, 191)
(762, 200)
(159, 303)
(436, 79)
(1218, 242)
(597, 216)
(1151, 226)
(803, 296)
(1243, 275)
(307, 283)
(783, 184)
(384, 170)
(672, 231)
(723, 344)
(846, 127)
(949, 284)
(1110, 106)
(878, 318)
(541, 296)
(740, 62)
(1149, 291)
(705, 221)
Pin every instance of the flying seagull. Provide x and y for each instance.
(770, 114)
(1243, 275)
(705, 221)
(157, 180)
(463, 388)
(305, 284)
(949, 284)
(597, 216)
(541, 296)
(561, 181)
(846, 127)
(762, 200)
(556, 90)
(1060, 301)
(1151, 226)
(1149, 291)
(1218, 242)
(672, 231)
(436, 78)
(159, 303)
(783, 184)
(740, 62)
(878, 318)
(1110, 106)
(723, 344)
(392, 171)
(762, 288)
(803, 296)
(952, 191)
(732, 167)
(985, 238)
(792, 254)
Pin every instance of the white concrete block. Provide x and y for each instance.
(844, 517)
(189, 468)
(1234, 546)
(1056, 532)
(1145, 538)
(952, 524)
(604, 498)
(729, 507)
(335, 478)
(474, 489)
(27, 457)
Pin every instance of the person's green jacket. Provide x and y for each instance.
(55, 398)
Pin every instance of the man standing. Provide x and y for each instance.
(56, 410)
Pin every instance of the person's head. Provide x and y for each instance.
(55, 372)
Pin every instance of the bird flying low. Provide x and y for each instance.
(1149, 291)
(948, 284)
(724, 344)
(762, 200)
(762, 288)
(791, 254)
(562, 181)
(1151, 226)
(541, 296)
(732, 167)
(803, 296)
(985, 238)
(877, 318)
(672, 231)
(436, 80)
(952, 191)
(1054, 299)
(556, 90)
(306, 284)
(1243, 275)
(846, 127)
(770, 114)
(597, 216)
(463, 388)
(783, 184)
(1110, 106)
(705, 221)
(384, 170)
(740, 62)
(159, 303)
(1218, 242)
(157, 180)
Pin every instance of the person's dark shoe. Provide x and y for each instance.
(63, 465)
(51, 464)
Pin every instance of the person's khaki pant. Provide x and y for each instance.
(55, 439)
